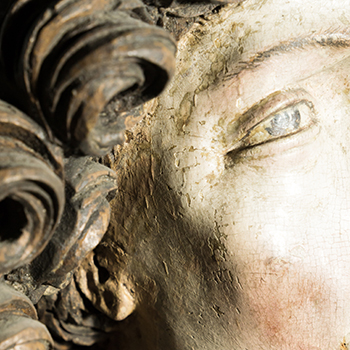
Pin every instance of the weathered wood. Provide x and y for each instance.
(79, 68)
(19, 327)
(72, 319)
(84, 222)
(31, 188)
(188, 3)
(188, 9)
(82, 64)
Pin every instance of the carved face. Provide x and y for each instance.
(240, 237)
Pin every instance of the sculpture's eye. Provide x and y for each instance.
(280, 122)
(285, 122)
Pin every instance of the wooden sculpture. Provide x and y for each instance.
(19, 327)
(31, 187)
(74, 75)
(82, 63)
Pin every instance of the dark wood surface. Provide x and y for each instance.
(74, 76)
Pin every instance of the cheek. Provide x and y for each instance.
(287, 232)
(291, 306)
(295, 289)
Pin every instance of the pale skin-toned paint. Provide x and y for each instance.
(248, 237)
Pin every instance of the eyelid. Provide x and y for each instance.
(264, 109)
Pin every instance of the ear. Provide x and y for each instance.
(112, 293)
(125, 294)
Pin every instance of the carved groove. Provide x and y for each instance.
(31, 189)
(79, 69)
(83, 65)
(18, 325)
(85, 221)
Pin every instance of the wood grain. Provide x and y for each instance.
(31, 188)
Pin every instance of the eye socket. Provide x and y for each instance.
(283, 123)
(280, 122)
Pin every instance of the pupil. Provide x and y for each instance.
(284, 122)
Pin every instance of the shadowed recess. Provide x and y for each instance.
(12, 220)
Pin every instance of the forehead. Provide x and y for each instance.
(258, 24)
(237, 34)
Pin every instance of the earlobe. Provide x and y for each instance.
(126, 301)
(113, 293)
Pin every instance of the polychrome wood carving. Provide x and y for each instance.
(74, 77)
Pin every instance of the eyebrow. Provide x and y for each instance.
(333, 39)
